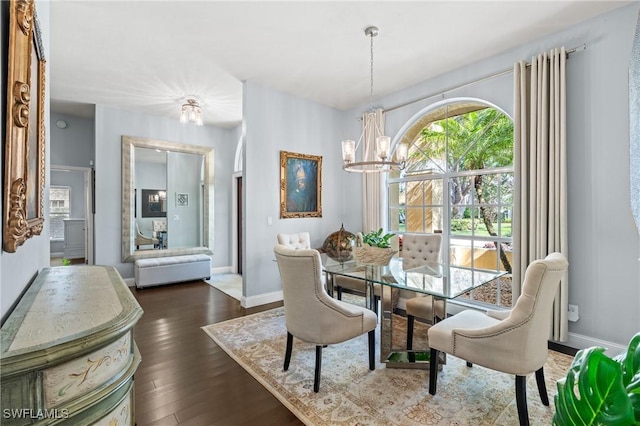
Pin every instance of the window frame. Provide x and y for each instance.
(51, 218)
(420, 121)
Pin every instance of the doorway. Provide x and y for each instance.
(75, 219)
(236, 250)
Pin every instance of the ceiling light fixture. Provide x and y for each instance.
(383, 161)
(191, 113)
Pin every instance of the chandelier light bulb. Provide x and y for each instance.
(348, 151)
(383, 145)
(191, 113)
(383, 161)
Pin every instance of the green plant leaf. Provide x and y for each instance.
(601, 398)
(376, 239)
(630, 361)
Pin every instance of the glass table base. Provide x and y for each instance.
(413, 359)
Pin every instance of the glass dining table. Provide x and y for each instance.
(441, 281)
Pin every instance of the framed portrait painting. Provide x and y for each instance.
(24, 165)
(300, 185)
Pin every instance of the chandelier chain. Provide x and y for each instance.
(383, 161)
(371, 88)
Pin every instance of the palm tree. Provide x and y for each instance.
(476, 140)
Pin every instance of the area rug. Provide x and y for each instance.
(230, 284)
(351, 394)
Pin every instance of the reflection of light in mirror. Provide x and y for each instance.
(163, 165)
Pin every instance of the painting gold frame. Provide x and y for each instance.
(300, 185)
(24, 168)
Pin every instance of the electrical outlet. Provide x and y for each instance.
(573, 315)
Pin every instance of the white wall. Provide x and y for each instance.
(276, 121)
(184, 221)
(604, 246)
(74, 179)
(19, 268)
(73, 145)
(111, 125)
(148, 176)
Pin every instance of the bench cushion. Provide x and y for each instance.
(172, 269)
(172, 260)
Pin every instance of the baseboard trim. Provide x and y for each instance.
(580, 341)
(131, 282)
(56, 254)
(261, 299)
(222, 270)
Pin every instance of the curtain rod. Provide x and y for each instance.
(489, 77)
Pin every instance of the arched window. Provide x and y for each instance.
(458, 181)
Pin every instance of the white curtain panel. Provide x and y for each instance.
(371, 186)
(540, 206)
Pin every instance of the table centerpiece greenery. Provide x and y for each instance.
(373, 247)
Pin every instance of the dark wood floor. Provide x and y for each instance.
(184, 377)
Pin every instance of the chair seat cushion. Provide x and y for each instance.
(421, 307)
(440, 334)
(354, 284)
(171, 260)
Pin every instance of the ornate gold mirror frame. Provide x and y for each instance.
(24, 168)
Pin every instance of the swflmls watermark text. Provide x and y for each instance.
(29, 413)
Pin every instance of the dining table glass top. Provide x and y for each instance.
(437, 279)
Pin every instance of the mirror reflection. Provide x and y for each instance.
(166, 192)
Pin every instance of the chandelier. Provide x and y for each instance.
(383, 161)
(191, 113)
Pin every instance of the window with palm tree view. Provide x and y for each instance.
(458, 181)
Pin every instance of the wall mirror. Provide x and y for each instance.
(167, 198)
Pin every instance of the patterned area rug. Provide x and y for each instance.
(351, 394)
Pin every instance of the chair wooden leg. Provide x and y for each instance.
(542, 387)
(410, 321)
(339, 293)
(372, 350)
(376, 300)
(521, 400)
(287, 354)
(433, 371)
(316, 378)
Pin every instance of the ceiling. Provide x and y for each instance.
(149, 56)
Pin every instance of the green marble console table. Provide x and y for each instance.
(67, 353)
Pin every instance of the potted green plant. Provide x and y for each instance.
(373, 247)
(599, 390)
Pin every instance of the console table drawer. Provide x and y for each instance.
(80, 376)
(68, 353)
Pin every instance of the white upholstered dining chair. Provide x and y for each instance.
(143, 240)
(418, 249)
(311, 314)
(300, 240)
(513, 342)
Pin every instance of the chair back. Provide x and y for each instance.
(298, 241)
(305, 298)
(418, 249)
(534, 305)
(159, 225)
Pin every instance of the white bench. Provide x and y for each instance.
(172, 269)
